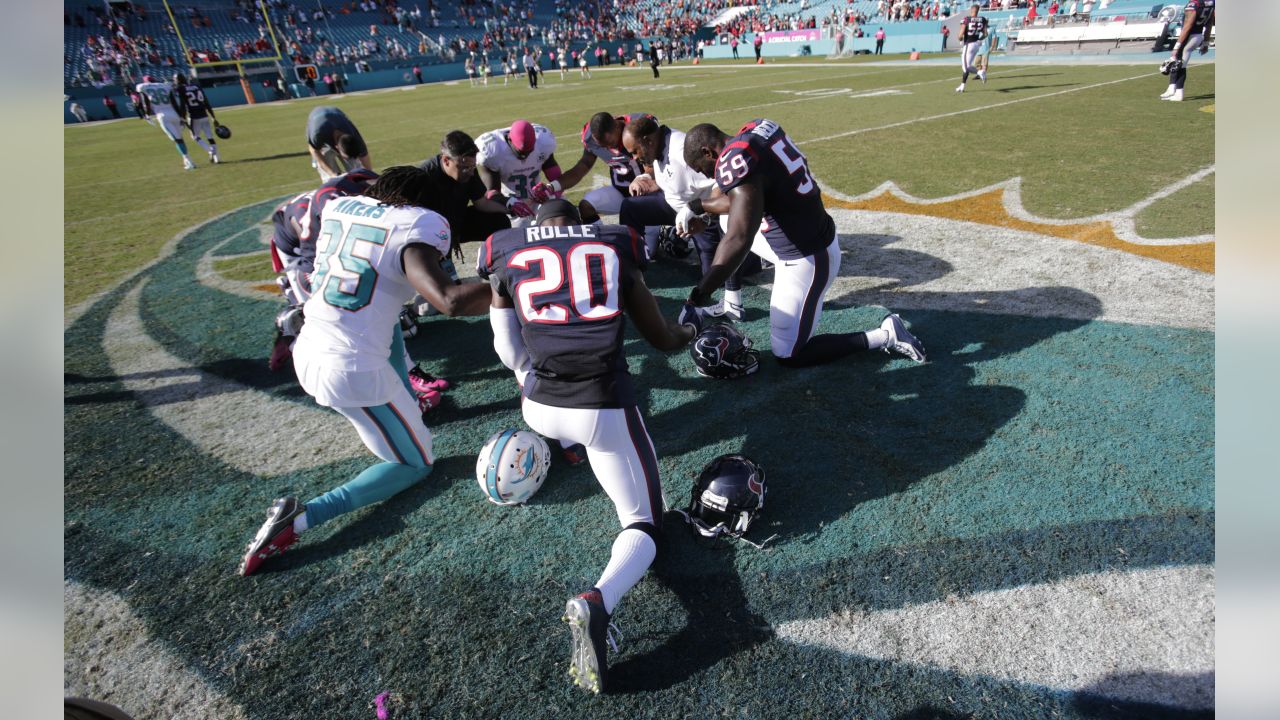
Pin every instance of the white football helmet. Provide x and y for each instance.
(512, 466)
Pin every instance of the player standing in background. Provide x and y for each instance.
(335, 144)
(562, 58)
(373, 252)
(158, 100)
(602, 139)
(775, 210)
(1197, 23)
(530, 68)
(683, 190)
(560, 291)
(582, 65)
(513, 160)
(973, 30)
(197, 114)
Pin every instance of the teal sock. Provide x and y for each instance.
(182, 147)
(398, 359)
(375, 484)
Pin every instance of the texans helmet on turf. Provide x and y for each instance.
(512, 466)
(721, 351)
(222, 131)
(1170, 65)
(728, 497)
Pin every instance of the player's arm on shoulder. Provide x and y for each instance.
(642, 306)
(422, 269)
(745, 212)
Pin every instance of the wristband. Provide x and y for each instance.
(696, 206)
(555, 185)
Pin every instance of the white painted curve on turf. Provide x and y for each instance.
(245, 428)
(110, 655)
(891, 259)
(1142, 636)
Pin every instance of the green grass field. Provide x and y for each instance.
(1021, 527)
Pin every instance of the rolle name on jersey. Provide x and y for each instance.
(539, 233)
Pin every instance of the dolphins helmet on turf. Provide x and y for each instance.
(727, 497)
(721, 351)
(512, 466)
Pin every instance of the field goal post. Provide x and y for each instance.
(239, 64)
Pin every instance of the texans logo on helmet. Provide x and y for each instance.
(713, 354)
(753, 483)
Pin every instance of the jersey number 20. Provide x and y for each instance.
(583, 274)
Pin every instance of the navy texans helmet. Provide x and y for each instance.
(721, 351)
(727, 497)
(222, 131)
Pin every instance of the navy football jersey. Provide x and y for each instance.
(795, 223)
(972, 28)
(306, 208)
(191, 101)
(567, 285)
(1204, 14)
(623, 169)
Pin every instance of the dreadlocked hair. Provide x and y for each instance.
(402, 185)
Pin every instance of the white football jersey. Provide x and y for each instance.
(517, 176)
(358, 287)
(160, 94)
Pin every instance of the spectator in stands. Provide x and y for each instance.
(1031, 14)
(880, 41)
(334, 143)
(759, 44)
(78, 110)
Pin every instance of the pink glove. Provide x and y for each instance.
(519, 208)
(543, 192)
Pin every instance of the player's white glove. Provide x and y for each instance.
(519, 208)
(682, 219)
(543, 192)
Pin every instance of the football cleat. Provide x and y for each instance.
(1175, 97)
(961, 88)
(901, 340)
(575, 454)
(275, 536)
(982, 75)
(187, 164)
(1168, 93)
(734, 311)
(422, 381)
(280, 352)
(590, 629)
(428, 400)
(213, 158)
(408, 322)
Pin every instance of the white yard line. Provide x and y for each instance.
(966, 111)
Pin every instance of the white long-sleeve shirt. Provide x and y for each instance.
(680, 184)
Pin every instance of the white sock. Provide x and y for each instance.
(633, 553)
(300, 523)
(733, 298)
(877, 338)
